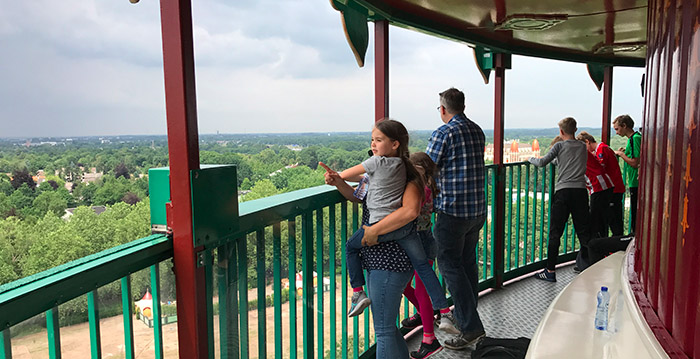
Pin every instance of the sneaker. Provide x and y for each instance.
(464, 340)
(546, 276)
(427, 350)
(576, 270)
(358, 303)
(447, 323)
(412, 322)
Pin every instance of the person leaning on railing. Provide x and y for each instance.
(388, 267)
(624, 126)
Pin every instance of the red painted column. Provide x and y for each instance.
(498, 140)
(381, 69)
(607, 104)
(181, 110)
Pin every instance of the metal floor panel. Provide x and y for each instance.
(512, 312)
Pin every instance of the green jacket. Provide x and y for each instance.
(633, 150)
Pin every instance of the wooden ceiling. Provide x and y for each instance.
(603, 31)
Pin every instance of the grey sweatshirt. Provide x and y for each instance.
(571, 163)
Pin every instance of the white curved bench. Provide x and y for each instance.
(566, 329)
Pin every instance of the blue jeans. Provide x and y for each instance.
(456, 240)
(385, 291)
(411, 242)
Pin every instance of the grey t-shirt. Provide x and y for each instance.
(571, 163)
(388, 178)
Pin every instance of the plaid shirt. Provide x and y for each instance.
(457, 148)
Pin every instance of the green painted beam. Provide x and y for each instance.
(319, 284)
(267, 211)
(47, 289)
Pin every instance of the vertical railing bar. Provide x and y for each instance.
(526, 225)
(534, 214)
(566, 238)
(277, 290)
(343, 274)
(319, 283)
(157, 324)
(332, 274)
(262, 296)
(544, 203)
(509, 228)
(222, 256)
(494, 195)
(6, 345)
(517, 218)
(551, 198)
(94, 323)
(243, 334)
(127, 315)
(356, 319)
(233, 339)
(307, 246)
(485, 228)
(54, 334)
(292, 265)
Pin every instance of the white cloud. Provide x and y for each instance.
(88, 67)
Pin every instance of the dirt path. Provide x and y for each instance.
(75, 339)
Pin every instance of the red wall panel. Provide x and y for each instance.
(668, 227)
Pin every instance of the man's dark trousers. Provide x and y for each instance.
(567, 201)
(457, 239)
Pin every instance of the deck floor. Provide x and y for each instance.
(512, 312)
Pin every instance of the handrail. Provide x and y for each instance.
(45, 290)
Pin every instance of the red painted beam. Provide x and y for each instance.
(498, 140)
(607, 104)
(183, 148)
(381, 69)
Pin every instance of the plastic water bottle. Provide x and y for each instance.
(601, 312)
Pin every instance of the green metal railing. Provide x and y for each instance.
(254, 306)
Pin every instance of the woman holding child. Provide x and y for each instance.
(389, 266)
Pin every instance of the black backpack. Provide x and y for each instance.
(495, 348)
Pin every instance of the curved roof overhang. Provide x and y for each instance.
(605, 32)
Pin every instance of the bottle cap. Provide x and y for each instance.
(604, 289)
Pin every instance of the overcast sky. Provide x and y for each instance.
(85, 67)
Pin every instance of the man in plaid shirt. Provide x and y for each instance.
(457, 147)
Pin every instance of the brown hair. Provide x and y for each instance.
(555, 140)
(424, 161)
(625, 120)
(568, 125)
(396, 131)
(585, 136)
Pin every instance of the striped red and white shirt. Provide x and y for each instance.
(596, 178)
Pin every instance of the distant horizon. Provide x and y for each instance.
(486, 130)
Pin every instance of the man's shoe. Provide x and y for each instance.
(427, 350)
(358, 303)
(464, 340)
(576, 270)
(447, 323)
(546, 276)
(411, 322)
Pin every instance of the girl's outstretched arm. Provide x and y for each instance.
(410, 209)
(333, 178)
(352, 173)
